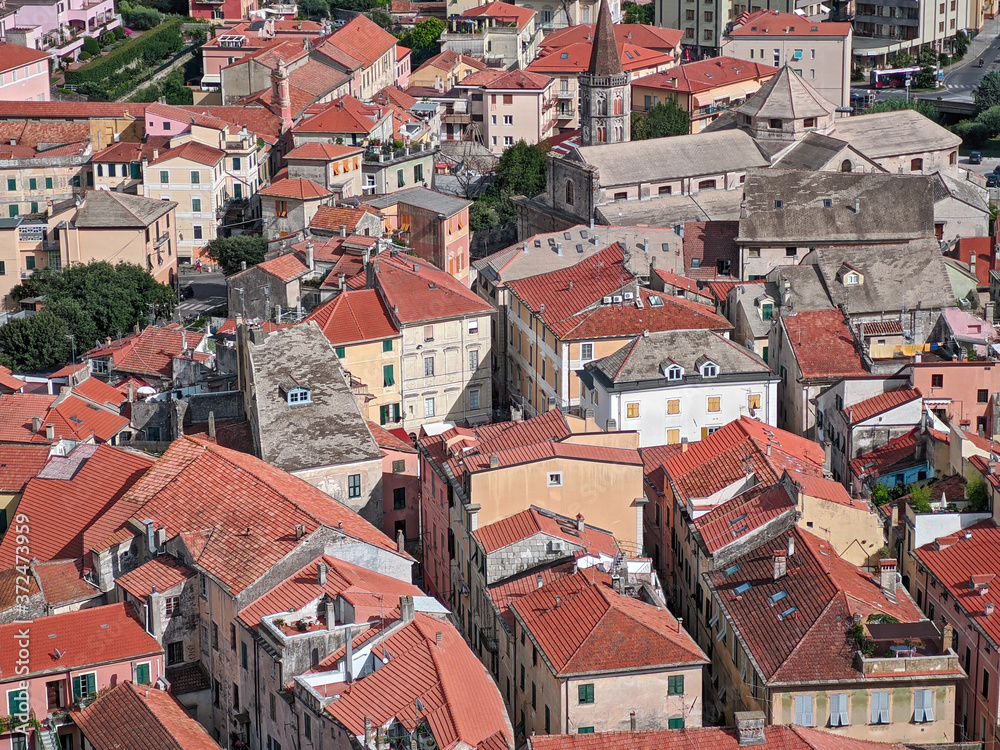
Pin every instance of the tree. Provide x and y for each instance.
(927, 109)
(987, 93)
(961, 45)
(174, 90)
(927, 77)
(423, 40)
(142, 18)
(81, 325)
(900, 59)
(380, 17)
(661, 121)
(32, 344)
(880, 494)
(640, 126)
(314, 8)
(991, 119)
(973, 133)
(978, 495)
(232, 252)
(635, 13)
(91, 45)
(920, 499)
(521, 170)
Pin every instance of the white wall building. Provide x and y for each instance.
(675, 386)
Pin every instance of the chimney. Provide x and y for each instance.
(310, 258)
(349, 664)
(331, 616)
(50, 432)
(947, 635)
(321, 569)
(988, 609)
(300, 531)
(400, 542)
(342, 280)
(791, 545)
(494, 461)
(131, 391)
(161, 536)
(857, 205)
(750, 728)
(407, 611)
(559, 249)
(368, 732)
(680, 625)
(780, 565)
(887, 575)
(612, 426)
(36, 424)
(343, 230)
(631, 720)
(150, 535)
(539, 581)
(211, 424)
(579, 522)
(156, 154)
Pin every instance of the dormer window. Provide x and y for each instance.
(674, 372)
(852, 279)
(709, 370)
(300, 395)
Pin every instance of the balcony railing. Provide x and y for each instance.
(566, 94)
(161, 240)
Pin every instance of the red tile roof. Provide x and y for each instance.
(31, 134)
(192, 151)
(681, 282)
(15, 56)
(710, 242)
(388, 441)
(575, 58)
(374, 596)
(826, 489)
(450, 59)
(343, 115)
(134, 716)
(953, 560)
(285, 267)
(333, 217)
(99, 635)
(16, 412)
(14, 110)
(8, 381)
(822, 343)
(721, 289)
(235, 514)
(461, 701)
(91, 479)
(418, 291)
(707, 738)
(774, 23)
(900, 451)
(546, 450)
(879, 404)
(528, 523)
(745, 513)
(64, 582)
(150, 352)
(299, 189)
(12, 588)
(71, 417)
(19, 463)
(362, 39)
(491, 79)
(592, 628)
(513, 588)
(323, 151)
(704, 75)
(354, 316)
(123, 152)
(258, 120)
(100, 393)
(161, 574)
(503, 12)
(651, 37)
(721, 459)
(393, 95)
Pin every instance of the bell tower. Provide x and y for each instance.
(605, 93)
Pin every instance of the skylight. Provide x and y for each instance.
(731, 570)
(775, 598)
(738, 518)
(787, 612)
(742, 589)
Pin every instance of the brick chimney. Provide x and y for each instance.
(407, 610)
(780, 565)
(750, 728)
(887, 577)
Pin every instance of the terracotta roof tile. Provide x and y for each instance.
(128, 152)
(63, 582)
(826, 489)
(69, 110)
(19, 463)
(12, 588)
(393, 95)
(333, 217)
(898, 452)
(423, 292)
(528, 523)
(772, 22)
(575, 58)
(258, 120)
(504, 12)
(515, 587)
(704, 75)
(593, 628)
(192, 151)
(363, 40)
(16, 412)
(95, 477)
(98, 635)
(299, 188)
(235, 434)
(150, 352)
(745, 513)
(7, 380)
(823, 346)
(323, 151)
(650, 37)
(879, 404)
(353, 316)
(386, 440)
(513, 79)
(183, 493)
(161, 574)
(15, 56)
(133, 716)
(102, 394)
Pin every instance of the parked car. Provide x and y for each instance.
(187, 292)
(975, 157)
(993, 180)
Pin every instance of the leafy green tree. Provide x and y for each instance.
(900, 59)
(661, 121)
(232, 252)
(521, 170)
(920, 499)
(961, 45)
(142, 18)
(174, 90)
(31, 344)
(635, 13)
(991, 119)
(91, 45)
(880, 494)
(423, 40)
(380, 17)
(978, 495)
(482, 216)
(927, 109)
(927, 76)
(314, 8)
(81, 325)
(640, 126)
(987, 93)
(973, 133)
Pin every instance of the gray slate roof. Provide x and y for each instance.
(961, 190)
(885, 134)
(813, 152)
(104, 209)
(892, 207)
(788, 97)
(643, 357)
(913, 274)
(664, 159)
(327, 432)
(425, 198)
(806, 290)
(670, 210)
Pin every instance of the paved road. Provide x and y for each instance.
(964, 75)
(209, 293)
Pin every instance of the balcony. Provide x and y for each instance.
(463, 118)
(161, 240)
(566, 114)
(566, 94)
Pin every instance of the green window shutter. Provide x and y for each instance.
(675, 685)
(32, 183)
(12, 184)
(12, 210)
(383, 414)
(675, 723)
(142, 674)
(48, 183)
(34, 207)
(135, 170)
(387, 346)
(585, 693)
(387, 378)
(341, 352)
(585, 730)
(77, 689)
(17, 702)
(243, 654)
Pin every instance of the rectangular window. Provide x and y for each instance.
(164, 177)
(281, 209)
(804, 710)
(84, 686)
(354, 485)
(32, 183)
(428, 366)
(585, 730)
(675, 685)
(387, 376)
(474, 399)
(838, 710)
(307, 726)
(585, 693)
(236, 163)
(398, 467)
(923, 705)
(880, 707)
(173, 605)
(937, 381)
(387, 346)
(555, 479)
(215, 637)
(673, 437)
(983, 396)
(522, 678)
(548, 726)
(274, 710)
(429, 406)
(196, 205)
(142, 673)
(586, 351)
(48, 183)
(533, 696)
(428, 333)
(29, 262)
(195, 178)
(753, 401)
(175, 652)
(508, 98)
(986, 684)
(508, 119)
(714, 403)
(673, 406)
(677, 723)
(399, 498)
(473, 359)
(197, 231)
(418, 173)
(12, 212)
(632, 410)
(11, 184)
(243, 655)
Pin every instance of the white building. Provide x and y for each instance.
(675, 386)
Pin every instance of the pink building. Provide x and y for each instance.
(59, 27)
(403, 57)
(400, 484)
(24, 74)
(962, 391)
(69, 659)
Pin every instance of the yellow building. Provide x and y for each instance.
(445, 70)
(369, 346)
(21, 463)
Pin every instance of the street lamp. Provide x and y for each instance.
(72, 340)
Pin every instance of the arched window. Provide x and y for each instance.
(602, 105)
(569, 193)
(846, 166)
(619, 135)
(618, 105)
(602, 134)
(916, 165)
(953, 157)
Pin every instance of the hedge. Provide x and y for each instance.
(120, 65)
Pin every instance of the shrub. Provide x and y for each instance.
(991, 119)
(91, 45)
(119, 33)
(143, 18)
(107, 39)
(973, 133)
(85, 56)
(920, 499)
